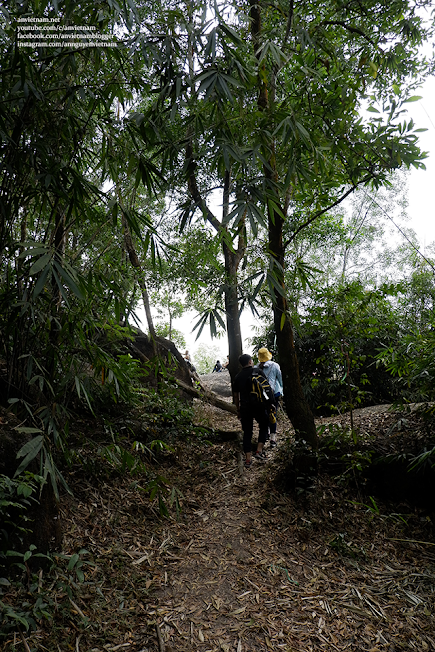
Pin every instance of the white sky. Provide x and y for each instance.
(422, 182)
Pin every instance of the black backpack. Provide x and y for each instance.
(261, 393)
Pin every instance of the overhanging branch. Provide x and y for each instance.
(324, 210)
(196, 194)
(349, 28)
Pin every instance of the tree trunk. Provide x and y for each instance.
(232, 261)
(207, 396)
(235, 346)
(58, 239)
(133, 257)
(297, 407)
(59, 251)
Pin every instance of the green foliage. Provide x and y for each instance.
(341, 452)
(137, 451)
(343, 448)
(425, 459)
(337, 343)
(205, 358)
(16, 497)
(214, 317)
(340, 544)
(167, 497)
(376, 341)
(172, 334)
(94, 374)
(410, 357)
(167, 416)
(337, 340)
(64, 285)
(122, 459)
(374, 510)
(411, 360)
(26, 602)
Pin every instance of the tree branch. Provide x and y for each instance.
(162, 647)
(324, 210)
(349, 28)
(196, 194)
(207, 396)
(289, 22)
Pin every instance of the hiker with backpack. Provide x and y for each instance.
(253, 399)
(272, 371)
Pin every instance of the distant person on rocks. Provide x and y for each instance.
(247, 411)
(189, 361)
(218, 367)
(226, 363)
(272, 371)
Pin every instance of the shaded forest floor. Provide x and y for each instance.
(245, 566)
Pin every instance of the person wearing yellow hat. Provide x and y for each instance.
(272, 371)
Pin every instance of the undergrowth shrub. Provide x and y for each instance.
(16, 496)
(343, 448)
(411, 360)
(136, 445)
(29, 598)
(340, 452)
(167, 417)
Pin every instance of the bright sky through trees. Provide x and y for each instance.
(421, 213)
(422, 183)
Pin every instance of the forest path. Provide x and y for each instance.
(246, 567)
(250, 569)
(231, 573)
(225, 574)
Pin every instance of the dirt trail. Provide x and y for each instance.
(250, 570)
(218, 589)
(245, 567)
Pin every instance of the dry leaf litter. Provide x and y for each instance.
(245, 567)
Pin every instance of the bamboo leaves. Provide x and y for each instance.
(30, 450)
(47, 268)
(213, 317)
(213, 80)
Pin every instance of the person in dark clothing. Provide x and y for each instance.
(217, 367)
(247, 412)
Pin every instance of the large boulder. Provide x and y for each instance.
(219, 383)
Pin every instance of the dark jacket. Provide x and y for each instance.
(242, 385)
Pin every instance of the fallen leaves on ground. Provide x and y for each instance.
(245, 568)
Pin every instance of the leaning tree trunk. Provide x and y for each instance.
(135, 262)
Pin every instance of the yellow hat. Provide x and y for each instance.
(264, 355)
